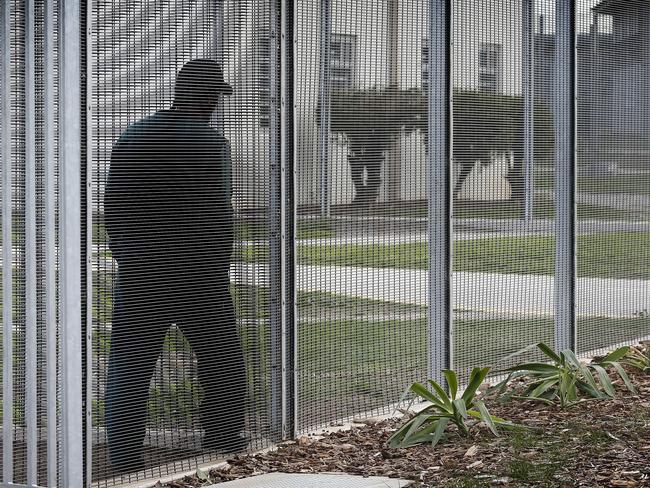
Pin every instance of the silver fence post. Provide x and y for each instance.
(50, 240)
(565, 175)
(88, 240)
(324, 83)
(275, 235)
(7, 247)
(528, 91)
(282, 263)
(31, 338)
(440, 136)
(70, 230)
(393, 159)
(288, 221)
(217, 48)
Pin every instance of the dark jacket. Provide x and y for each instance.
(168, 192)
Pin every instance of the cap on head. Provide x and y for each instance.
(199, 80)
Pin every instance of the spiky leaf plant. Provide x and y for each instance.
(428, 425)
(565, 378)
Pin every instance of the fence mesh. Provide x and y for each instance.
(613, 175)
(503, 230)
(38, 343)
(361, 228)
(191, 195)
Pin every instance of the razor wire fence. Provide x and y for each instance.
(405, 186)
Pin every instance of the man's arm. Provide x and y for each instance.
(119, 195)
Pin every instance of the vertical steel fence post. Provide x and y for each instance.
(595, 91)
(7, 247)
(217, 48)
(218, 31)
(275, 235)
(50, 240)
(288, 222)
(70, 220)
(393, 160)
(565, 175)
(324, 82)
(282, 265)
(440, 137)
(528, 91)
(31, 339)
(87, 174)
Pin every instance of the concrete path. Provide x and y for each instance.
(480, 292)
(334, 480)
(631, 202)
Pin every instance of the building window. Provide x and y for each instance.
(342, 56)
(490, 59)
(425, 64)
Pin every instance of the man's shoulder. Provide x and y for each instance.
(141, 127)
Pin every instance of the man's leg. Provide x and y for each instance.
(210, 327)
(136, 341)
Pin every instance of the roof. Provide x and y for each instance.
(612, 7)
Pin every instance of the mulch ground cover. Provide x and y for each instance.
(594, 443)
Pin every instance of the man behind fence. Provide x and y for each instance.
(170, 225)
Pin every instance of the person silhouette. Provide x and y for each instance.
(169, 221)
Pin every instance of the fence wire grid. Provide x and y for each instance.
(290, 211)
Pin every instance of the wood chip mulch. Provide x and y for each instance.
(592, 444)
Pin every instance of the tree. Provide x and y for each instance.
(484, 124)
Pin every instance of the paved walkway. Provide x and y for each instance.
(480, 292)
(327, 480)
(631, 202)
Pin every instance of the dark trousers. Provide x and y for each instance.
(149, 297)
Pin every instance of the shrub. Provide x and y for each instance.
(565, 377)
(428, 425)
(638, 358)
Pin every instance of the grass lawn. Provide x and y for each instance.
(366, 364)
(357, 355)
(606, 255)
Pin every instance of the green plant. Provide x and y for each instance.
(638, 358)
(429, 424)
(565, 377)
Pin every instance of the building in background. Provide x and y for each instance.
(613, 90)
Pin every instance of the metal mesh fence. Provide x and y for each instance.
(361, 218)
(503, 137)
(613, 177)
(181, 353)
(30, 426)
(259, 184)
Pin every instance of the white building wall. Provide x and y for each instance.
(494, 21)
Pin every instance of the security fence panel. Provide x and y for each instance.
(226, 223)
(613, 174)
(184, 135)
(361, 112)
(29, 155)
(503, 155)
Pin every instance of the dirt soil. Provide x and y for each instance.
(594, 443)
